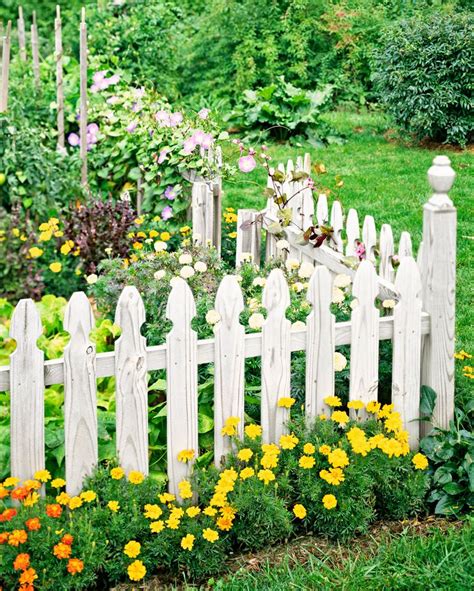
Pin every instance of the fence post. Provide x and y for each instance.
(248, 237)
(438, 288)
(83, 95)
(203, 214)
(21, 34)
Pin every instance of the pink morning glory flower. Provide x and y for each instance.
(189, 145)
(132, 126)
(170, 193)
(204, 114)
(247, 163)
(163, 154)
(73, 139)
(99, 76)
(93, 128)
(167, 213)
(360, 251)
(176, 119)
(113, 79)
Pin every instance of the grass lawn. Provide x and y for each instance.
(387, 179)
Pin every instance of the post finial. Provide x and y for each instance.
(441, 178)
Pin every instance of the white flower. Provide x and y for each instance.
(246, 257)
(239, 278)
(388, 304)
(185, 259)
(298, 325)
(354, 304)
(298, 286)
(213, 317)
(253, 304)
(340, 361)
(200, 267)
(186, 272)
(259, 282)
(292, 264)
(342, 280)
(160, 246)
(283, 245)
(91, 279)
(306, 270)
(337, 295)
(256, 320)
(159, 274)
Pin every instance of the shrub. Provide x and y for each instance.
(425, 77)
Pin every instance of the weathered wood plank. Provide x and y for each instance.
(249, 237)
(405, 248)
(83, 95)
(337, 224)
(58, 44)
(386, 252)
(369, 237)
(203, 214)
(352, 232)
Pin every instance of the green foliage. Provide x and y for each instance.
(424, 77)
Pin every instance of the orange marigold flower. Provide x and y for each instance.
(62, 551)
(19, 493)
(67, 539)
(75, 566)
(7, 515)
(28, 577)
(22, 561)
(3, 492)
(4, 537)
(54, 510)
(33, 524)
(224, 523)
(17, 537)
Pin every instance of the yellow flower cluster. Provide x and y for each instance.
(230, 426)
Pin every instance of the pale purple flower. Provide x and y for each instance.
(139, 92)
(360, 251)
(167, 213)
(113, 100)
(204, 114)
(170, 193)
(176, 119)
(163, 154)
(207, 141)
(247, 163)
(113, 79)
(189, 146)
(91, 139)
(73, 139)
(163, 118)
(132, 126)
(99, 76)
(93, 128)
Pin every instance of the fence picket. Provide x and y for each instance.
(80, 399)
(21, 34)
(352, 232)
(369, 237)
(307, 163)
(337, 225)
(249, 237)
(276, 356)
(322, 210)
(407, 348)
(203, 214)
(404, 247)
(35, 50)
(26, 393)
(386, 252)
(365, 336)
(229, 363)
(321, 327)
(181, 376)
(131, 383)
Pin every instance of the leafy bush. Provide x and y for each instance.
(424, 76)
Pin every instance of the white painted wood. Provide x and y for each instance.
(203, 214)
(369, 237)
(217, 209)
(80, 397)
(229, 364)
(83, 95)
(439, 287)
(6, 44)
(306, 208)
(27, 393)
(290, 167)
(322, 214)
(35, 50)
(404, 247)
(365, 336)
(386, 252)
(321, 327)
(299, 164)
(337, 224)
(419, 256)
(276, 356)
(352, 232)
(407, 348)
(58, 43)
(21, 34)
(181, 376)
(249, 238)
(307, 163)
(131, 383)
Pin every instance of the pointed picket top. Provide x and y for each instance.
(130, 313)
(365, 286)
(369, 237)
(307, 163)
(386, 270)
(276, 294)
(337, 224)
(78, 315)
(405, 248)
(320, 342)
(26, 392)
(352, 231)
(408, 281)
(229, 301)
(299, 163)
(290, 167)
(322, 209)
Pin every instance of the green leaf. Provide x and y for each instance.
(205, 423)
(427, 401)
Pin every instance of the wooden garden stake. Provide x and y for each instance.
(35, 50)
(5, 68)
(21, 34)
(83, 97)
(59, 77)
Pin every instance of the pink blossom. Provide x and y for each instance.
(360, 251)
(132, 126)
(113, 79)
(73, 139)
(167, 213)
(247, 163)
(189, 146)
(310, 183)
(99, 76)
(176, 119)
(93, 128)
(163, 154)
(113, 100)
(204, 114)
(207, 141)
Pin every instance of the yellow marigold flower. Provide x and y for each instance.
(373, 406)
(153, 234)
(245, 454)
(31, 499)
(329, 502)
(340, 416)
(210, 535)
(11, 481)
(63, 498)
(139, 221)
(43, 227)
(269, 460)
(229, 430)
(338, 458)
(253, 431)
(420, 461)
(187, 542)
(270, 449)
(299, 511)
(75, 503)
(176, 512)
(67, 247)
(88, 496)
(225, 523)
(137, 245)
(113, 506)
(288, 441)
(152, 511)
(333, 476)
(355, 404)
(322, 417)
(173, 523)
(45, 236)
(306, 462)
(393, 422)
(42, 475)
(266, 476)
(166, 498)
(333, 401)
(185, 490)
(185, 230)
(309, 448)
(136, 477)
(186, 455)
(32, 484)
(193, 511)
(141, 235)
(286, 402)
(58, 483)
(165, 236)
(117, 473)
(132, 549)
(232, 235)
(325, 450)
(210, 511)
(136, 570)
(385, 411)
(157, 526)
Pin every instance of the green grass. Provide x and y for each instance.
(386, 179)
(441, 560)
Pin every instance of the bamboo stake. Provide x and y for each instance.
(35, 50)
(83, 98)
(21, 34)
(5, 68)
(59, 77)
